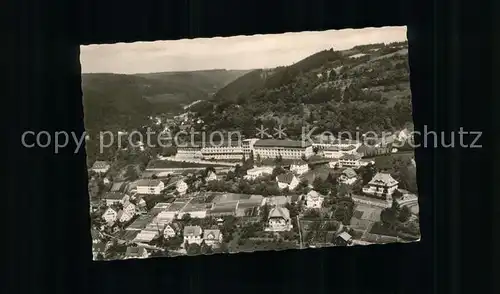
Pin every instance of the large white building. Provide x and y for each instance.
(189, 151)
(223, 150)
(286, 149)
(256, 172)
(150, 187)
(247, 145)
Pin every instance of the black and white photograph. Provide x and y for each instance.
(250, 143)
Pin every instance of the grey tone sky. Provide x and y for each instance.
(239, 52)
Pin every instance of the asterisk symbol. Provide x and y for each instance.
(262, 132)
(280, 131)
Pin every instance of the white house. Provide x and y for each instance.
(110, 215)
(279, 220)
(314, 199)
(348, 176)
(171, 230)
(256, 172)
(115, 197)
(350, 160)
(287, 180)
(299, 167)
(382, 186)
(150, 186)
(193, 234)
(212, 237)
(101, 167)
(136, 252)
(181, 187)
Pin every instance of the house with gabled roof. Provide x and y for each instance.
(279, 220)
(212, 237)
(382, 186)
(171, 230)
(287, 180)
(110, 215)
(299, 167)
(348, 176)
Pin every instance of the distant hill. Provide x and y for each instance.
(365, 87)
(124, 101)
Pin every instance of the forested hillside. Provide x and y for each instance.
(365, 87)
(118, 101)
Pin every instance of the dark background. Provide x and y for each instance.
(47, 228)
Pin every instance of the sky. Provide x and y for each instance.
(239, 52)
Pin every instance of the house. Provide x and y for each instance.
(382, 186)
(343, 239)
(150, 186)
(115, 197)
(256, 172)
(350, 160)
(287, 180)
(136, 252)
(171, 230)
(211, 176)
(192, 234)
(299, 167)
(314, 199)
(181, 187)
(122, 216)
(127, 213)
(212, 237)
(110, 215)
(101, 167)
(348, 176)
(279, 220)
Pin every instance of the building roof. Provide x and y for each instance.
(285, 178)
(350, 157)
(100, 164)
(318, 159)
(281, 143)
(148, 182)
(117, 186)
(146, 236)
(135, 251)
(349, 172)
(192, 231)
(384, 179)
(174, 226)
(211, 234)
(345, 236)
(114, 196)
(279, 212)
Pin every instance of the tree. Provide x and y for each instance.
(264, 212)
(193, 249)
(404, 214)
(205, 249)
(186, 217)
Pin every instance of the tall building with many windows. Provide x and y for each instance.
(287, 149)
